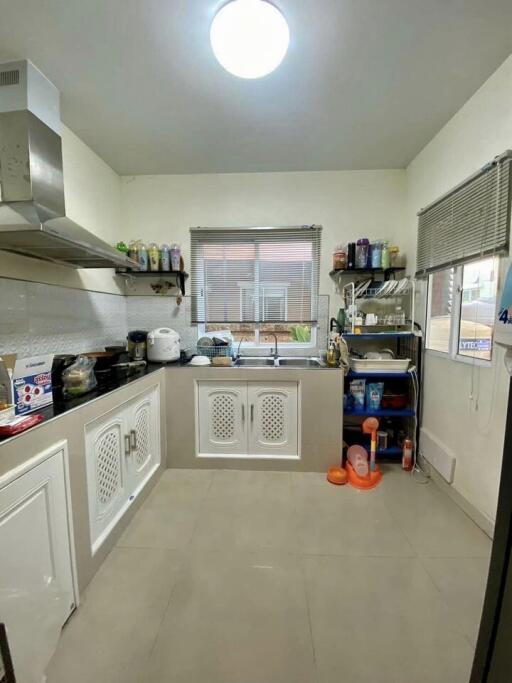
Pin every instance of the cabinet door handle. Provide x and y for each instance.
(133, 439)
(127, 449)
(243, 413)
(252, 412)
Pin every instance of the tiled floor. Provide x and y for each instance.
(259, 577)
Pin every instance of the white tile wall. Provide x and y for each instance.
(38, 318)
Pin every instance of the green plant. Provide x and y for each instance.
(301, 333)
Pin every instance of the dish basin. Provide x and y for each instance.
(300, 362)
(255, 362)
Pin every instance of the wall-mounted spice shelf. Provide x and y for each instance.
(177, 277)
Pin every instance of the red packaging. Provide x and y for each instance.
(19, 424)
(407, 455)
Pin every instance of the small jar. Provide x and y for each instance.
(339, 258)
(394, 256)
(376, 255)
(362, 247)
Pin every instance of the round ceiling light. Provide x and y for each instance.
(249, 37)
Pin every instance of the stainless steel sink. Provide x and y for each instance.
(300, 362)
(257, 362)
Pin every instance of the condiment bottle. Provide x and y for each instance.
(362, 252)
(165, 258)
(175, 256)
(376, 255)
(384, 256)
(143, 257)
(154, 257)
(133, 251)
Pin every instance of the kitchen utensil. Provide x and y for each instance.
(163, 345)
(137, 344)
(204, 342)
(200, 360)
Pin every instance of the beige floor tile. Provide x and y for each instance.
(180, 486)
(462, 581)
(162, 527)
(110, 637)
(382, 619)
(434, 525)
(344, 521)
(235, 618)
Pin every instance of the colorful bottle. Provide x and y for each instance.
(143, 257)
(165, 258)
(133, 251)
(154, 257)
(175, 256)
(407, 455)
(384, 256)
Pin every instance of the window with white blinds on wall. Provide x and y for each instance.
(469, 222)
(255, 275)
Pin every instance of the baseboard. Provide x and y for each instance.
(481, 520)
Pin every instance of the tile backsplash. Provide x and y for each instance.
(39, 318)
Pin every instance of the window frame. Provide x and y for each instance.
(311, 344)
(456, 314)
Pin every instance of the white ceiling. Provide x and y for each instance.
(365, 84)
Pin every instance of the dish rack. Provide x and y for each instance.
(386, 306)
(213, 351)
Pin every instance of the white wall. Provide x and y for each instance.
(93, 199)
(349, 204)
(471, 427)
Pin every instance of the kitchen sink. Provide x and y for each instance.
(254, 362)
(300, 362)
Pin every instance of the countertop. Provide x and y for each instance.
(61, 406)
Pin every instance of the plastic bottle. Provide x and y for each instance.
(143, 257)
(376, 255)
(175, 256)
(362, 252)
(407, 455)
(165, 258)
(133, 251)
(154, 257)
(384, 256)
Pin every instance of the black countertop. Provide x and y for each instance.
(61, 405)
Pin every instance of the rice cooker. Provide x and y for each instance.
(163, 345)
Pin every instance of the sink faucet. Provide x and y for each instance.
(239, 345)
(275, 354)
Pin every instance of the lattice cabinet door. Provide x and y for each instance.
(144, 424)
(107, 448)
(222, 418)
(273, 419)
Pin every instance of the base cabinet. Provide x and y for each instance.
(122, 452)
(248, 419)
(36, 537)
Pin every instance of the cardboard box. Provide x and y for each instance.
(32, 383)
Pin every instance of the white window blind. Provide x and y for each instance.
(470, 221)
(260, 274)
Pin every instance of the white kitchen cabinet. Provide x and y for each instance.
(144, 420)
(222, 417)
(122, 452)
(247, 419)
(273, 423)
(36, 538)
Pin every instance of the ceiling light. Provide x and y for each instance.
(249, 37)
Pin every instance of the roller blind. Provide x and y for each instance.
(260, 274)
(471, 220)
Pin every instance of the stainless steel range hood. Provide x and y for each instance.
(33, 218)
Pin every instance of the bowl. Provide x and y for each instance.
(200, 360)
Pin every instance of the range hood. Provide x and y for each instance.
(33, 218)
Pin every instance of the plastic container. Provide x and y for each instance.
(175, 256)
(379, 364)
(165, 258)
(376, 255)
(133, 251)
(351, 255)
(362, 248)
(394, 253)
(384, 258)
(339, 258)
(143, 257)
(154, 257)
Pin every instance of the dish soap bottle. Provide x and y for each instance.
(143, 257)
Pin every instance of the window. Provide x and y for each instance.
(462, 308)
(257, 282)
